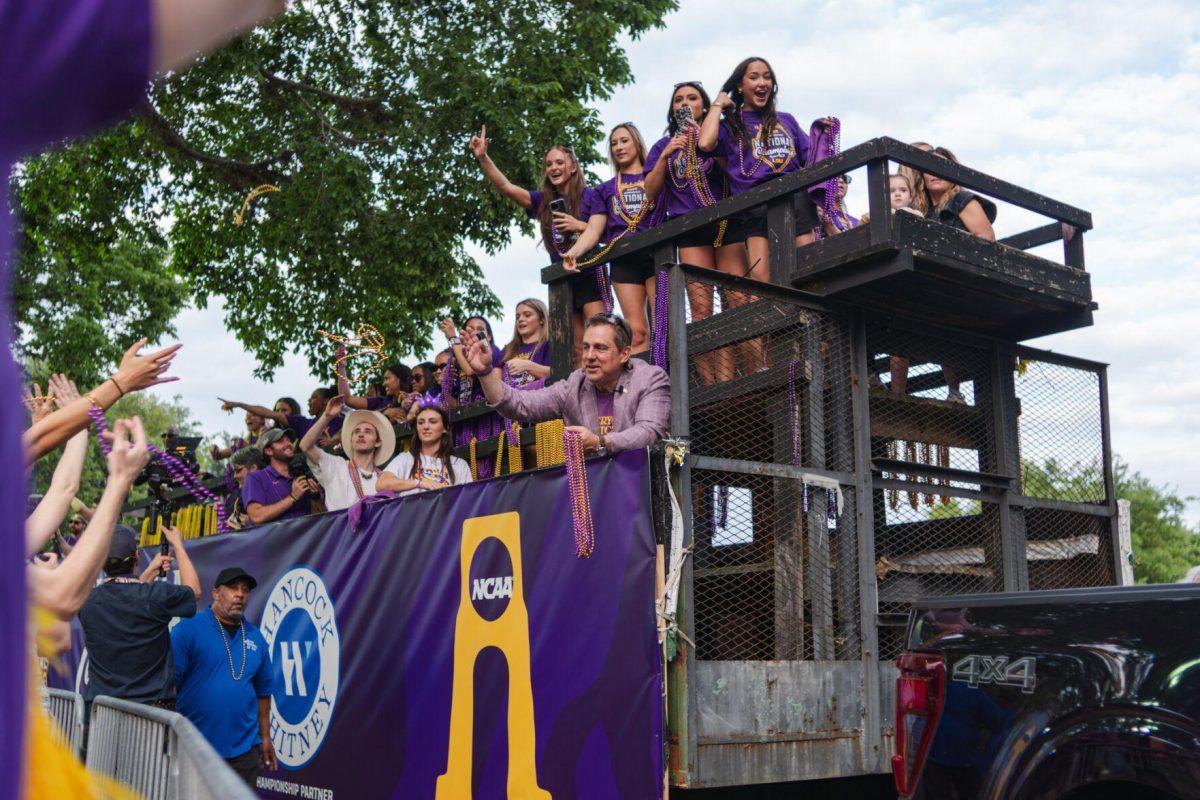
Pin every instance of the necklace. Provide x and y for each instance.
(356, 477)
(695, 179)
(761, 159)
(581, 502)
(228, 652)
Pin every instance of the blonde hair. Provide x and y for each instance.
(638, 141)
(514, 347)
(916, 181)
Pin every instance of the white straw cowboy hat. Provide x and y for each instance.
(387, 434)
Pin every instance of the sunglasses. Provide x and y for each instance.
(700, 84)
(613, 319)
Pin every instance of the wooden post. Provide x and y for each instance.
(817, 574)
(879, 201)
(781, 240)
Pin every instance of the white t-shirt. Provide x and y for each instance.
(333, 472)
(432, 469)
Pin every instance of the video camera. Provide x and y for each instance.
(158, 477)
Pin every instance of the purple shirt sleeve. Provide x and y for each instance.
(254, 490)
(379, 403)
(656, 152)
(299, 424)
(69, 66)
(535, 200)
(591, 204)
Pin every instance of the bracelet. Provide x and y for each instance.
(95, 403)
(114, 383)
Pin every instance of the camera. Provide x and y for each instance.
(299, 467)
(156, 473)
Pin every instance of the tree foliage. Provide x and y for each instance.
(360, 114)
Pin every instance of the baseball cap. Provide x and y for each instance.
(231, 574)
(124, 543)
(274, 435)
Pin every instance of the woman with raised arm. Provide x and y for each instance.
(526, 357)
(628, 209)
(563, 208)
(758, 144)
(395, 400)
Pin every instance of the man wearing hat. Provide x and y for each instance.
(223, 670)
(271, 493)
(125, 622)
(367, 438)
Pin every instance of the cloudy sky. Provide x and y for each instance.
(1083, 101)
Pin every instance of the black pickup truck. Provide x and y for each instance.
(1079, 694)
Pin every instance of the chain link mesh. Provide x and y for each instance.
(1068, 549)
(769, 379)
(770, 581)
(1061, 432)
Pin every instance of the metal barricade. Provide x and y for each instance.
(66, 711)
(158, 753)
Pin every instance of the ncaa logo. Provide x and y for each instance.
(301, 633)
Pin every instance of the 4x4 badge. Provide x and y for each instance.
(998, 670)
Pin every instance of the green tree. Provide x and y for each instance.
(359, 113)
(1164, 545)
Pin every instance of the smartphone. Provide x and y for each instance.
(558, 205)
(481, 335)
(683, 118)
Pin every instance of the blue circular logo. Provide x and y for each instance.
(300, 627)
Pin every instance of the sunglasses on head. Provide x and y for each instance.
(689, 83)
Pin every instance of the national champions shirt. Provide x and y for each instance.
(679, 196)
(760, 159)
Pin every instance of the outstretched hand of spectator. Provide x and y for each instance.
(130, 451)
(39, 405)
(138, 371)
(449, 328)
(334, 407)
(479, 356)
(63, 389)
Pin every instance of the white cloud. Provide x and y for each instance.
(1087, 102)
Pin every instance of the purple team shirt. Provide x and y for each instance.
(538, 353)
(604, 411)
(622, 208)
(678, 197)
(589, 204)
(300, 424)
(268, 486)
(66, 67)
(746, 163)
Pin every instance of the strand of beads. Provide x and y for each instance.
(180, 475)
(581, 502)
(661, 310)
(794, 413)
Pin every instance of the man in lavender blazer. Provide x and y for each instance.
(614, 403)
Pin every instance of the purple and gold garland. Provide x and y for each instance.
(178, 472)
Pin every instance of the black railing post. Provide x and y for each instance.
(562, 330)
(879, 203)
(781, 239)
(1073, 249)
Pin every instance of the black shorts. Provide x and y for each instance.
(707, 236)
(584, 288)
(754, 221)
(637, 268)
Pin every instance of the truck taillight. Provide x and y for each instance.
(920, 694)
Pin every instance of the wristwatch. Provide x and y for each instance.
(455, 340)
(603, 448)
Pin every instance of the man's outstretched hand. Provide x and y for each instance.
(479, 356)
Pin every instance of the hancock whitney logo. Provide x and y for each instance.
(301, 632)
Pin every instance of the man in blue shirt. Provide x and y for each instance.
(223, 670)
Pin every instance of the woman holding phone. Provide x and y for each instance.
(628, 210)
(563, 207)
(687, 179)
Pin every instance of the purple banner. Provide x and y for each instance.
(456, 647)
